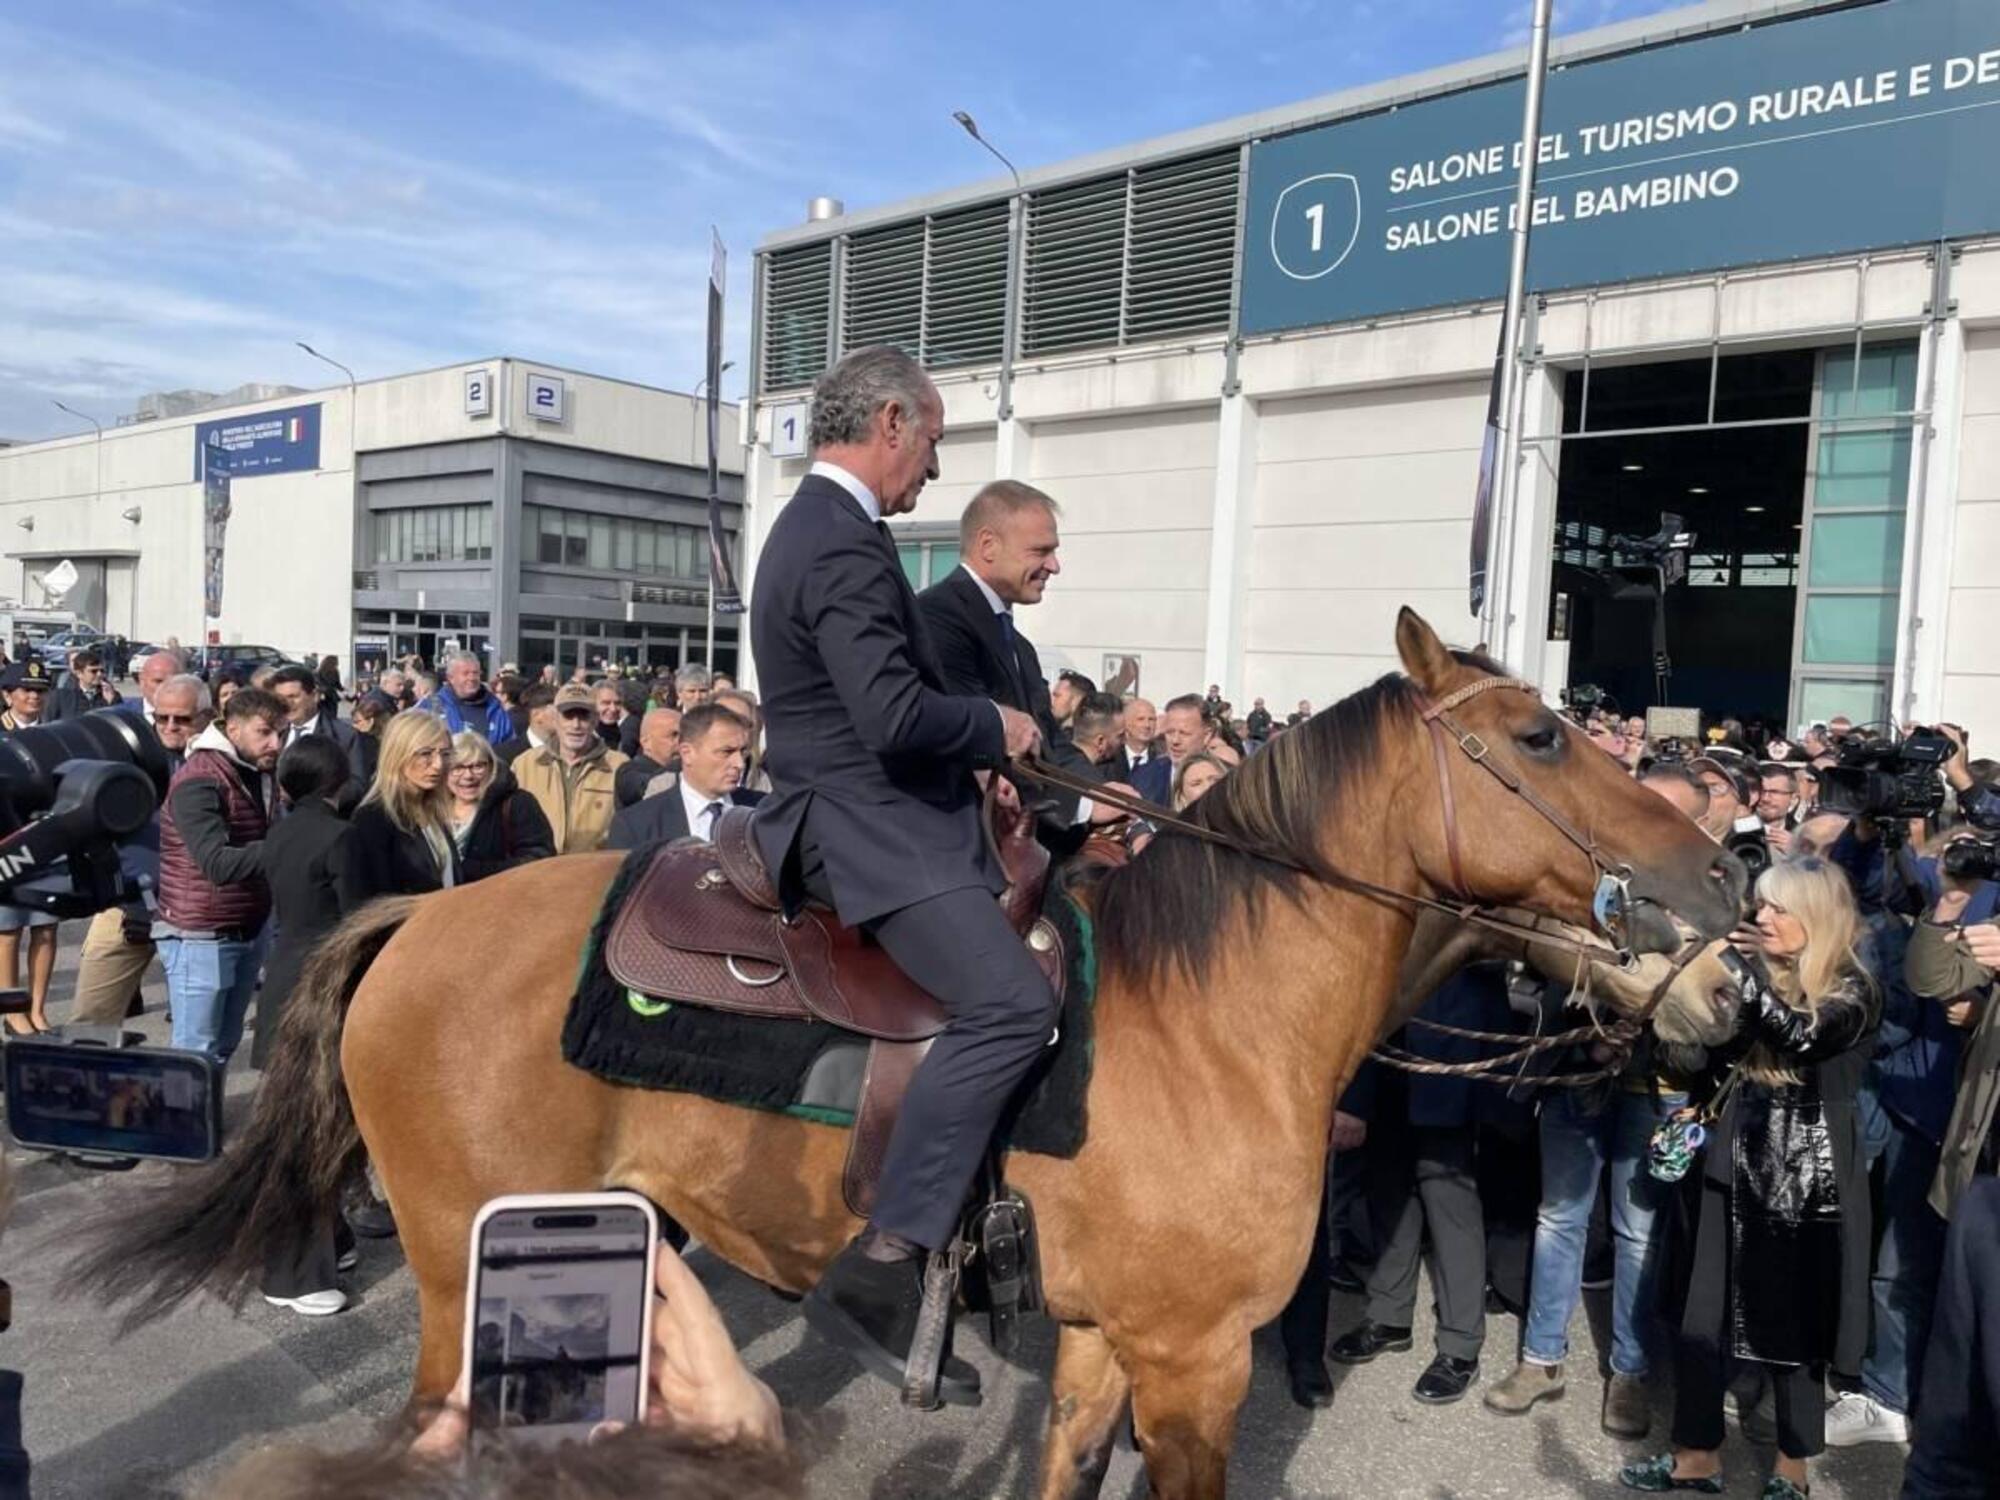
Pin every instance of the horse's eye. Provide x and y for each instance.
(1538, 741)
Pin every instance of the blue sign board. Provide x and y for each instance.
(1847, 131)
(265, 442)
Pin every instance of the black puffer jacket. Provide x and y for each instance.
(1780, 1208)
(509, 829)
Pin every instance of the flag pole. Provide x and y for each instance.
(1493, 618)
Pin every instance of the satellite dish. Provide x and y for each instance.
(59, 580)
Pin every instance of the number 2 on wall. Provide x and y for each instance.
(1317, 214)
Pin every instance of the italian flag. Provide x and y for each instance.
(295, 430)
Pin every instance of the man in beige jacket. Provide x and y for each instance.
(575, 778)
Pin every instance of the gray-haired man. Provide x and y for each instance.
(875, 811)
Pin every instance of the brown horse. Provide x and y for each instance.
(1236, 995)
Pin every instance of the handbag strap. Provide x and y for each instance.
(1718, 1101)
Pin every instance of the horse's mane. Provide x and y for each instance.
(1184, 897)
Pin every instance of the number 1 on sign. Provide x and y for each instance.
(1317, 213)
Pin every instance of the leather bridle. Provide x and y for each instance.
(1611, 904)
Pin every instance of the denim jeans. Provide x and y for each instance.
(1575, 1147)
(1906, 1269)
(209, 985)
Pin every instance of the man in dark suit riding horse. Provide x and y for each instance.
(875, 812)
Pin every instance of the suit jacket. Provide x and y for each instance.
(345, 735)
(1121, 767)
(973, 652)
(663, 817)
(384, 860)
(629, 785)
(304, 857)
(1155, 780)
(870, 752)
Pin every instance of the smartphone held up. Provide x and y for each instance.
(558, 1339)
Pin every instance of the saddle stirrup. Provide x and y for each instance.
(932, 1338)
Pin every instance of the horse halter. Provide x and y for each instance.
(1611, 904)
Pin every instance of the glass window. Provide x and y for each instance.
(1825, 698)
(600, 541)
(1864, 551)
(911, 556)
(549, 535)
(644, 555)
(944, 557)
(405, 537)
(576, 538)
(1857, 630)
(623, 544)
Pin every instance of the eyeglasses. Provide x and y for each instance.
(160, 718)
(435, 752)
(476, 768)
(579, 713)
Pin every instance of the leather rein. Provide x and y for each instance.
(1611, 905)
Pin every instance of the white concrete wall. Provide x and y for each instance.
(1137, 492)
(1971, 687)
(1363, 505)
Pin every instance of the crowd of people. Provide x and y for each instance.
(1806, 1265)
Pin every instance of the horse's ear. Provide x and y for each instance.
(1424, 655)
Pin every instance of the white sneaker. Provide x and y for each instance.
(1859, 1418)
(312, 1304)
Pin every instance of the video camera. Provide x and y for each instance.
(1972, 858)
(1886, 778)
(69, 793)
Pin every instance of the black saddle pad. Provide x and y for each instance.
(807, 1068)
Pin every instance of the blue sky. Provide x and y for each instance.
(187, 186)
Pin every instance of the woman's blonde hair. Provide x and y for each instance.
(409, 809)
(1200, 758)
(1817, 893)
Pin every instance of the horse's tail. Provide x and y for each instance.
(276, 1185)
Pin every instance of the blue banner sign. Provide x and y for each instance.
(265, 442)
(1852, 130)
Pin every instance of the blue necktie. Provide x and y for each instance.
(1008, 638)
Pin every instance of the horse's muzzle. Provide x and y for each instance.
(1705, 894)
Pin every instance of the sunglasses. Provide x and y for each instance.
(187, 719)
(579, 713)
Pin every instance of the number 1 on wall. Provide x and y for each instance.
(1317, 214)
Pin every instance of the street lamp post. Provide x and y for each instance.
(97, 450)
(693, 409)
(1015, 209)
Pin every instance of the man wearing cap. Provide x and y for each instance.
(575, 778)
(26, 686)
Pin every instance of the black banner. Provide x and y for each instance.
(724, 596)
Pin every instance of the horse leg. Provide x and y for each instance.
(1184, 1406)
(1088, 1399)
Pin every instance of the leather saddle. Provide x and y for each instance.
(703, 925)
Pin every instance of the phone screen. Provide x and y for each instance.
(123, 1101)
(560, 1319)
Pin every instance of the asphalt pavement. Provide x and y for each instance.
(159, 1413)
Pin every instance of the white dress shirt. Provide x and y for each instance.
(863, 496)
(297, 732)
(696, 806)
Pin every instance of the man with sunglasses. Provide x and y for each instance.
(118, 945)
(574, 779)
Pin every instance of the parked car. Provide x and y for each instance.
(54, 650)
(208, 660)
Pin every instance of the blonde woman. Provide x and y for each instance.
(401, 843)
(1196, 775)
(1779, 1204)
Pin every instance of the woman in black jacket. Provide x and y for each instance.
(304, 855)
(328, 678)
(1782, 1185)
(401, 843)
(494, 823)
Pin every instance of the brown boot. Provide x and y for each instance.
(1627, 1414)
(1528, 1384)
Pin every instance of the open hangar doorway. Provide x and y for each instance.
(1643, 442)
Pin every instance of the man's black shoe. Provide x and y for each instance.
(1311, 1385)
(370, 1218)
(1369, 1340)
(869, 1308)
(1446, 1380)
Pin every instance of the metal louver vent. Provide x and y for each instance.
(798, 290)
(884, 298)
(1076, 265)
(1182, 243)
(965, 287)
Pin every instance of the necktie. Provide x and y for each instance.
(711, 813)
(1012, 643)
